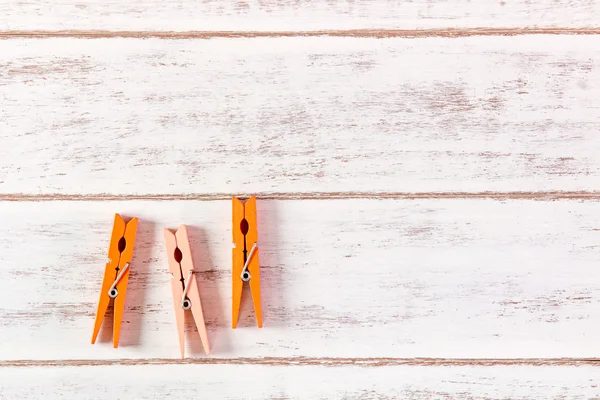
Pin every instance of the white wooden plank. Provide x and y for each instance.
(340, 278)
(285, 15)
(127, 116)
(314, 382)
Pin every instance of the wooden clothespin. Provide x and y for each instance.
(246, 267)
(116, 275)
(185, 290)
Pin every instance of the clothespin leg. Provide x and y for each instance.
(236, 297)
(103, 302)
(179, 314)
(194, 296)
(255, 290)
(253, 264)
(176, 288)
(126, 256)
(119, 308)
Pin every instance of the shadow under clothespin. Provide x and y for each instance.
(208, 278)
(139, 280)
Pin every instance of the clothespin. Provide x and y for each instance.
(116, 275)
(185, 290)
(246, 267)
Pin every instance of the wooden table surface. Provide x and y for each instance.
(428, 176)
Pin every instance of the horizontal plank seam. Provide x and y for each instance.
(358, 33)
(307, 361)
(543, 196)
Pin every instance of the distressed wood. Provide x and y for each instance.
(363, 362)
(346, 33)
(538, 196)
(263, 382)
(299, 115)
(259, 15)
(340, 278)
(464, 270)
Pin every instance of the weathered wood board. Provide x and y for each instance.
(299, 115)
(429, 188)
(292, 15)
(340, 278)
(307, 382)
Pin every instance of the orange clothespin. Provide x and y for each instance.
(116, 275)
(246, 267)
(185, 290)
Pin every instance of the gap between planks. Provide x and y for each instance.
(307, 361)
(356, 33)
(541, 196)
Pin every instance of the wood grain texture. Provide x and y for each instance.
(420, 131)
(343, 278)
(260, 15)
(363, 362)
(537, 196)
(261, 382)
(347, 33)
(299, 115)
